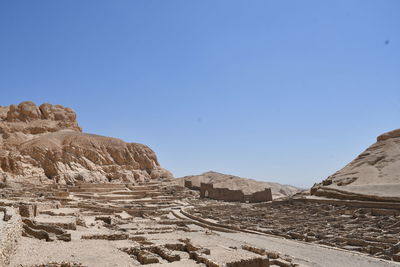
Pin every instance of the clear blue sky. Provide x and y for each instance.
(286, 91)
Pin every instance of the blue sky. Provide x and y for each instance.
(286, 91)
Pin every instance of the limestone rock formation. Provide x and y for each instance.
(248, 186)
(45, 143)
(373, 175)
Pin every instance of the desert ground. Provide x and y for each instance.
(161, 224)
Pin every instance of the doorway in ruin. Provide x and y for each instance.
(206, 193)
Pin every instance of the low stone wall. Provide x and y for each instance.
(225, 194)
(189, 184)
(337, 202)
(10, 232)
(32, 209)
(260, 196)
(207, 224)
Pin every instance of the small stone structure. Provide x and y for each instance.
(225, 194)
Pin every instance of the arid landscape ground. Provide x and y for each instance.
(69, 198)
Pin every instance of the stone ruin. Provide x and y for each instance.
(138, 216)
(161, 223)
(360, 228)
(207, 190)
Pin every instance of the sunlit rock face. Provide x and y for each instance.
(45, 144)
(373, 175)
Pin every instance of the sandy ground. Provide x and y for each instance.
(101, 253)
(309, 254)
(91, 253)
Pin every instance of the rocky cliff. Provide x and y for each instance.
(45, 144)
(374, 175)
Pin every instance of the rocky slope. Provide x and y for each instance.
(45, 144)
(248, 186)
(374, 175)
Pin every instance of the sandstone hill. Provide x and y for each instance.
(248, 186)
(45, 144)
(373, 175)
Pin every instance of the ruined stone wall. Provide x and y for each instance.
(205, 190)
(10, 232)
(260, 196)
(225, 194)
(189, 184)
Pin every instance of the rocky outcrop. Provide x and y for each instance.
(388, 135)
(374, 175)
(27, 118)
(45, 144)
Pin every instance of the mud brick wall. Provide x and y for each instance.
(260, 196)
(225, 194)
(189, 184)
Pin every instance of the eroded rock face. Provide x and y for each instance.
(27, 118)
(45, 143)
(373, 175)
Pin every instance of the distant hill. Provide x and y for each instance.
(247, 185)
(373, 175)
